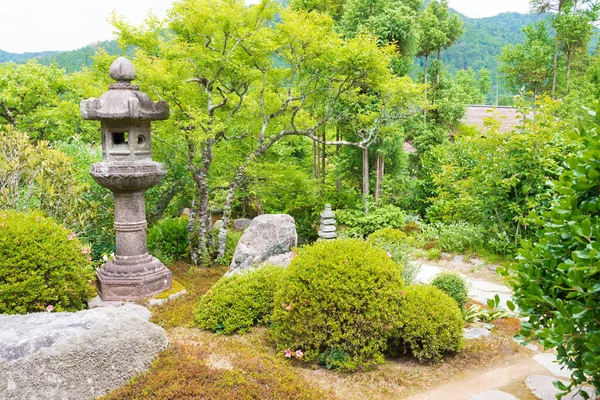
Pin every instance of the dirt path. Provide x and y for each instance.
(509, 377)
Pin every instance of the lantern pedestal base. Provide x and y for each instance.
(134, 286)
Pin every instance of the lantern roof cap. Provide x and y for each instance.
(124, 100)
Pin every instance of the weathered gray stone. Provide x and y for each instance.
(475, 333)
(128, 171)
(79, 355)
(458, 258)
(282, 260)
(493, 395)
(267, 236)
(327, 235)
(218, 224)
(241, 223)
(543, 388)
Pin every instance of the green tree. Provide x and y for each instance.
(529, 65)
(557, 279)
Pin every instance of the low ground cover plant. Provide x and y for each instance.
(43, 266)
(236, 303)
(168, 240)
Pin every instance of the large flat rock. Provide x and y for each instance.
(543, 388)
(79, 355)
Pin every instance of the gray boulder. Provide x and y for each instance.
(241, 223)
(267, 236)
(79, 355)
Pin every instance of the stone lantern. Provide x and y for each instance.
(327, 226)
(128, 171)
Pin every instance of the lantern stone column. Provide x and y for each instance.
(128, 171)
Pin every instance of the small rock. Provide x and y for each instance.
(458, 258)
(446, 256)
(493, 395)
(493, 268)
(477, 262)
(218, 224)
(241, 223)
(530, 346)
(156, 302)
(543, 388)
(475, 333)
(548, 361)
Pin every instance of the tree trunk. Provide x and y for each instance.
(555, 66)
(163, 202)
(379, 166)
(425, 81)
(439, 67)
(323, 157)
(314, 160)
(365, 182)
(569, 52)
(191, 227)
(204, 217)
(338, 181)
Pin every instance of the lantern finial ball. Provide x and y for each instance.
(122, 70)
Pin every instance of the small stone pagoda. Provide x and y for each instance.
(327, 227)
(128, 171)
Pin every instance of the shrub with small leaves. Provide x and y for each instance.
(236, 303)
(43, 266)
(453, 285)
(338, 303)
(168, 240)
(430, 323)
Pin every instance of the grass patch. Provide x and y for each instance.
(176, 287)
(201, 365)
(180, 312)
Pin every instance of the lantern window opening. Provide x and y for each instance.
(120, 138)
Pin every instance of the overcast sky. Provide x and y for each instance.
(37, 25)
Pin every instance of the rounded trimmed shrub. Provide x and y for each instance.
(429, 324)
(42, 265)
(337, 304)
(453, 285)
(236, 303)
(387, 236)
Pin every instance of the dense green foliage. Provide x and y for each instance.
(361, 225)
(338, 300)
(395, 243)
(168, 240)
(557, 279)
(43, 266)
(236, 303)
(429, 325)
(453, 285)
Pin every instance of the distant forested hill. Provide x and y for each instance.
(72, 60)
(22, 57)
(484, 39)
(478, 48)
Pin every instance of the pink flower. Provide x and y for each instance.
(71, 237)
(37, 218)
(49, 308)
(4, 224)
(389, 254)
(288, 307)
(299, 353)
(5, 216)
(89, 258)
(288, 353)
